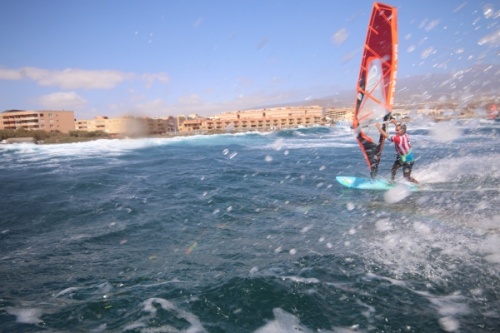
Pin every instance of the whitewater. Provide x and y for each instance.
(250, 233)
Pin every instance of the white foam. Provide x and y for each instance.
(301, 279)
(134, 326)
(397, 193)
(310, 144)
(149, 307)
(392, 281)
(422, 228)
(94, 147)
(490, 247)
(278, 144)
(449, 307)
(451, 169)
(445, 132)
(166, 305)
(66, 291)
(449, 324)
(352, 329)
(283, 322)
(99, 329)
(407, 248)
(383, 225)
(369, 309)
(26, 315)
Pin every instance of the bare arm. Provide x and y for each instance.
(382, 132)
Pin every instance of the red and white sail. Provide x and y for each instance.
(377, 82)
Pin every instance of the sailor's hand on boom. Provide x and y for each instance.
(382, 122)
(382, 132)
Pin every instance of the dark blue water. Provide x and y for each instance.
(249, 233)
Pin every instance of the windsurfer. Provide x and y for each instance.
(404, 151)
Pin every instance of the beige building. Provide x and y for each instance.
(342, 115)
(258, 120)
(91, 125)
(46, 120)
(128, 126)
(114, 126)
(160, 126)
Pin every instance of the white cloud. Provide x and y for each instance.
(74, 78)
(190, 100)
(139, 105)
(151, 78)
(62, 100)
(193, 103)
(153, 108)
(10, 74)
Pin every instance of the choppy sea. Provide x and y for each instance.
(250, 233)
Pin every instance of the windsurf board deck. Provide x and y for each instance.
(373, 184)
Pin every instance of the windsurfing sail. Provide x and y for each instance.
(376, 83)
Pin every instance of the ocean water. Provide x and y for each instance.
(250, 233)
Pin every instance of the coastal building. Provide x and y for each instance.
(340, 115)
(258, 120)
(179, 121)
(157, 126)
(128, 126)
(266, 119)
(46, 120)
(96, 124)
(114, 126)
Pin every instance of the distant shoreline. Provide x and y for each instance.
(62, 139)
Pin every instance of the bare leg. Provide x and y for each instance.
(412, 180)
(394, 170)
(407, 175)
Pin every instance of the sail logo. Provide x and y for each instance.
(374, 83)
(374, 74)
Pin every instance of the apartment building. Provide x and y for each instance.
(343, 115)
(162, 125)
(114, 126)
(96, 124)
(262, 119)
(46, 120)
(128, 126)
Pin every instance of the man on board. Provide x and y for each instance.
(403, 150)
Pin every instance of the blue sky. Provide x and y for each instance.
(159, 58)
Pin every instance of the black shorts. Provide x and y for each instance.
(407, 166)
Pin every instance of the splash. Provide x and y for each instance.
(283, 322)
(166, 305)
(445, 132)
(397, 193)
(191, 248)
(26, 316)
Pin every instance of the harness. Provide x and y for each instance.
(406, 158)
